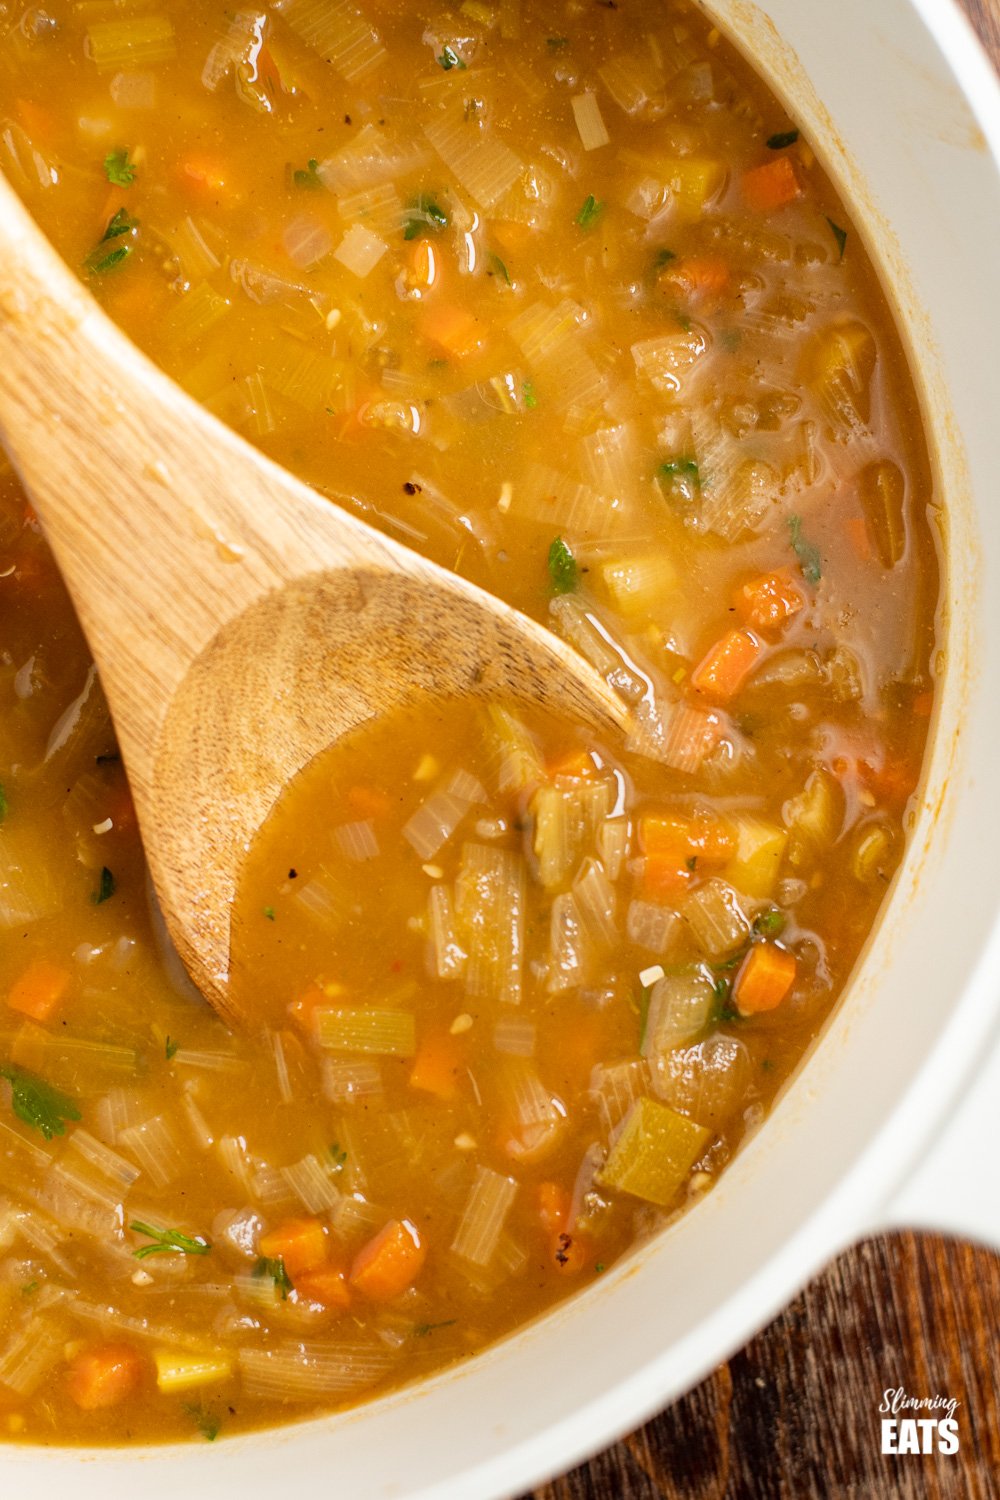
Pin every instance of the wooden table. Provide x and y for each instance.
(793, 1415)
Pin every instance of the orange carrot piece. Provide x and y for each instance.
(327, 1286)
(723, 670)
(103, 1375)
(765, 978)
(368, 802)
(205, 176)
(701, 276)
(453, 329)
(857, 533)
(770, 600)
(665, 843)
(922, 705)
(303, 1008)
(577, 763)
(568, 1252)
(711, 840)
(384, 1268)
(438, 1065)
(41, 987)
(39, 122)
(299, 1243)
(771, 186)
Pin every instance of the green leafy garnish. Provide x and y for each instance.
(599, 1266)
(118, 169)
(806, 552)
(119, 225)
(207, 1422)
(167, 1240)
(562, 567)
(269, 913)
(590, 212)
(308, 177)
(767, 1064)
(423, 1329)
(674, 468)
(497, 267)
(769, 923)
(450, 59)
(528, 392)
(782, 139)
(170, 1048)
(338, 1154)
(424, 216)
(723, 1008)
(664, 257)
(557, 42)
(37, 1103)
(840, 235)
(28, 1288)
(105, 889)
(275, 1268)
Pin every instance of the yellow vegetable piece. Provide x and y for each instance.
(654, 1152)
(179, 1370)
(760, 848)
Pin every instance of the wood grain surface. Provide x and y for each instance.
(794, 1415)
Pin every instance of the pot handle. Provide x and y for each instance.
(953, 1186)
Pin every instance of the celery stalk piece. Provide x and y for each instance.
(391, 1033)
(654, 1152)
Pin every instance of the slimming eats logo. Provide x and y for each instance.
(934, 1430)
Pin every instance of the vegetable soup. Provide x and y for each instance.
(557, 295)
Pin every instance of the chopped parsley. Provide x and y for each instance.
(769, 923)
(338, 1154)
(421, 1330)
(118, 169)
(664, 257)
(29, 1288)
(806, 552)
(165, 1241)
(563, 570)
(37, 1103)
(106, 888)
(269, 913)
(308, 177)
(120, 225)
(599, 1266)
(672, 468)
(723, 1008)
(782, 139)
(424, 216)
(207, 1422)
(840, 235)
(449, 58)
(528, 392)
(680, 479)
(170, 1048)
(497, 267)
(590, 212)
(275, 1268)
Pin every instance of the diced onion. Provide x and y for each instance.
(360, 250)
(589, 121)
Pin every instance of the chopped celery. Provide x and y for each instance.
(654, 1152)
(389, 1033)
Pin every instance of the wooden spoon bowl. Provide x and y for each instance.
(241, 623)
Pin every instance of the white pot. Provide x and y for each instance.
(893, 1118)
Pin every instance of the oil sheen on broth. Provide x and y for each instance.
(557, 295)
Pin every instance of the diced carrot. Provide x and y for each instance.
(568, 1252)
(302, 1009)
(723, 670)
(438, 1065)
(452, 329)
(103, 1375)
(40, 988)
(711, 840)
(893, 780)
(39, 122)
(665, 843)
(700, 276)
(384, 1268)
(857, 534)
(300, 1243)
(770, 600)
(771, 186)
(327, 1286)
(205, 176)
(578, 763)
(368, 802)
(765, 978)
(922, 705)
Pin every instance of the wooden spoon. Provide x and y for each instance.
(240, 622)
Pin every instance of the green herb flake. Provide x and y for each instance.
(118, 169)
(806, 552)
(424, 216)
(269, 913)
(308, 177)
(275, 1268)
(769, 923)
(599, 1267)
(29, 1288)
(782, 139)
(723, 1008)
(664, 257)
(121, 223)
(99, 261)
(563, 570)
(421, 1330)
(450, 59)
(165, 1241)
(672, 468)
(170, 1048)
(37, 1103)
(497, 267)
(338, 1154)
(590, 212)
(556, 43)
(840, 235)
(207, 1422)
(530, 398)
(107, 262)
(105, 889)
(767, 1064)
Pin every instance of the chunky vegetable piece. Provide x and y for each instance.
(558, 296)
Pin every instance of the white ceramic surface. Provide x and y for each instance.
(890, 1119)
